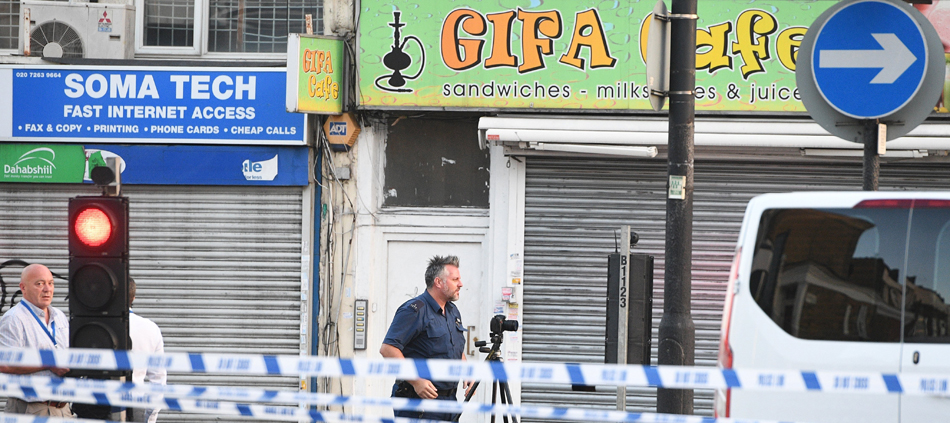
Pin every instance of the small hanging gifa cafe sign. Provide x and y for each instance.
(42, 163)
(315, 70)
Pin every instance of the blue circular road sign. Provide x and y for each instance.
(869, 59)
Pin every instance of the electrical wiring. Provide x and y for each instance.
(327, 268)
(335, 234)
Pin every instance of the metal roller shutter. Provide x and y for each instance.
(218, 268)
(573, 208)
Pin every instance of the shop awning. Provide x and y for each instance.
(526, 132)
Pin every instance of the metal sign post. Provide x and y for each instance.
(658, 56)
(677, 332)
(624, 307)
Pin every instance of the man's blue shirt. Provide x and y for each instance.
(420, 330)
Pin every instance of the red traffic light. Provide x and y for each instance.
(98, 227)
(93, 227)
(99, 274)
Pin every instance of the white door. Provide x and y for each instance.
(406, 265)
(932, 360)
(926, 347)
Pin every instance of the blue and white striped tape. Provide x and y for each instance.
(208, 400)
(130, 399)
(152, 396)
(17, 418)
(578, 374)
(643, 418)
(159, 396)
(334, 417)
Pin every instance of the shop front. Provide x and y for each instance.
(575, 151)
(221, 200)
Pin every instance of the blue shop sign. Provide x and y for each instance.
(149, 105)
(206, 165)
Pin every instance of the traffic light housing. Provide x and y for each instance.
(99, 273)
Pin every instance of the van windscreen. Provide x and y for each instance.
(844, 274)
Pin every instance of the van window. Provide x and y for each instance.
(831, 274)
(843, 274)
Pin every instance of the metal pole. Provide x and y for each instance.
(677, 332)
(872, 160)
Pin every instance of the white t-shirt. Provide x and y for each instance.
(147, 338)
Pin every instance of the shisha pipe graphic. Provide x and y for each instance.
(397, 60)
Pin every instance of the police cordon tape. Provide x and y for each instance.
(645, 418)
(114, 393)
(129, 399)
(674, 377)
(15, 418)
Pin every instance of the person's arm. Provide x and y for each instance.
(16, 370)
(389, 351)
(423, 387)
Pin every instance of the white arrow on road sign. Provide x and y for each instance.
(870, 59)
(893, 60)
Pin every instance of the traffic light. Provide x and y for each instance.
(99, 273)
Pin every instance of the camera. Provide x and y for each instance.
(499, 324)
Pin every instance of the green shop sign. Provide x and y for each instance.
(572, 54)
(42, 163)
(315, 71)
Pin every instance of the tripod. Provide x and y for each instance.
(499, 389)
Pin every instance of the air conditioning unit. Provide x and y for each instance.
(74, 30)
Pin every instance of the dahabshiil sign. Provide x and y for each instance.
(42, 163)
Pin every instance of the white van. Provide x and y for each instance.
(856, 281)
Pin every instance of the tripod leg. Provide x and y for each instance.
(471, 391)
(494, 392)
(506, 399)
(501, 394)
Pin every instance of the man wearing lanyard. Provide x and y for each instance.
(33, 323)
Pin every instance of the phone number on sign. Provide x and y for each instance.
(38, 75)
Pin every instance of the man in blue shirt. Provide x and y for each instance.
(429, 326)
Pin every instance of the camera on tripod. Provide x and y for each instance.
(498, 326)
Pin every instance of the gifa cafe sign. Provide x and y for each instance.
(579, 54)
(315, 74)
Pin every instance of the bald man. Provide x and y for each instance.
(34, 323)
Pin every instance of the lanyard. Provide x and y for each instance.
(52, 336)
